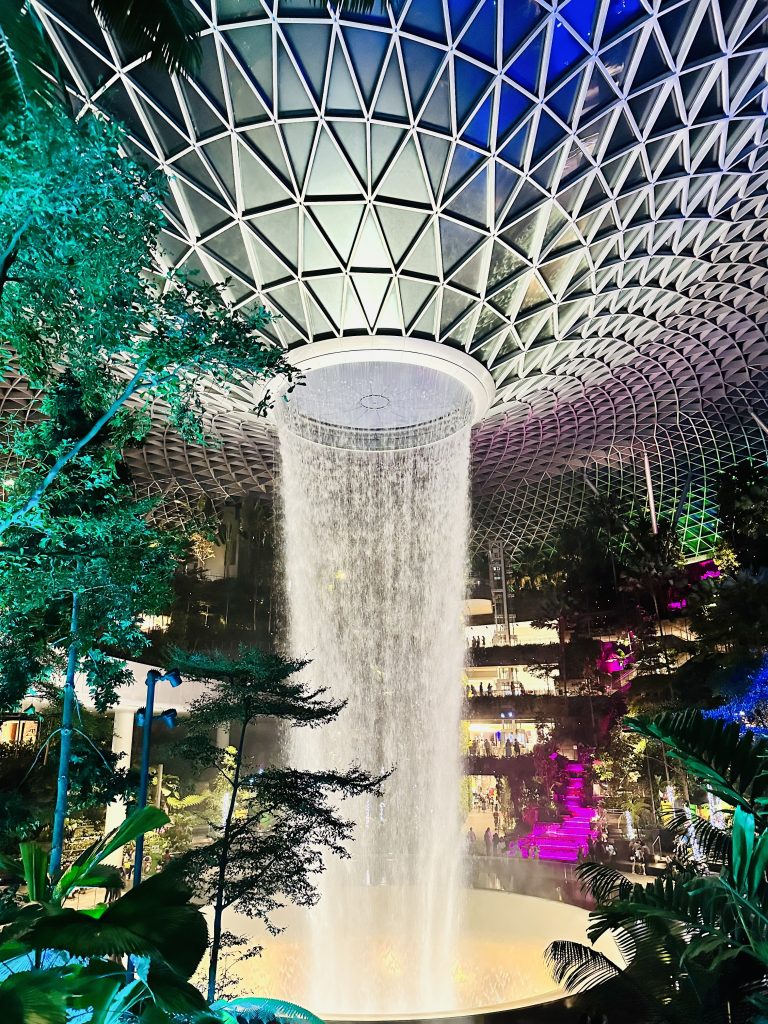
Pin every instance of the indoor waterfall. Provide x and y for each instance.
(374, 494)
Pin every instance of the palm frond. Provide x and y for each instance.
(578, 967)
(603, 882)
(255, 1008)
(166, 30)
(28, 67)
(714, 842)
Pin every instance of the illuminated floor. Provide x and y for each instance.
(499, 963)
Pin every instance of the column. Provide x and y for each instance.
(122, 743)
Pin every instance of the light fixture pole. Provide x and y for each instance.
(153, 677)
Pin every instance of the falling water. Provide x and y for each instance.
(375, 522)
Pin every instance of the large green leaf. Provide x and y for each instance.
(258, 1008)
(155, 920)
(35, 862)
(25, 57)
(136, 824)
(33, 997)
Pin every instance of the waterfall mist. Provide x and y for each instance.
(375, 548)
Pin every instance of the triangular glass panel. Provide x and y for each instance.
(318, 323)
(266, 143)
(616, 59)
(470, 275)
(390, 103)
(653, 65)
(292, 97)
(310, 44)
(342, 97)
(371, 289)
(471, 83)
(253, 44)
(229, 249)
(565, 52)
(562, 100)
(458, 12)
(298, 138)
(437, 113)
(456, 242)
(525, 68)
(399, 227)
(479, 40)
(426, 20)
(513, 151)
(519, 20)
(425, 325)
(422, 63)
(463, 163)
(354, 316)
(506, 182)
(620, 15)
(351, 135)
(384, 140)
(317, 253)
(389, 318)
(471, 203)
(548, 134)
(370, 251)
(246, 105)
(329, 175)
(581, 17)
(281, 231)
(455, 305)
(435, 152)
(204, 118)
(328, 293)
(478, 130)
(288, 301)
(269, 267)
(513, 106)
(504, 264)
(413, 295)
(367, 51)
(193, 168)
(340, 224)
(260, 188)
(423, 258)
(405, 178)
(206, 214)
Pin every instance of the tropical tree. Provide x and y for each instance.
(742, 499)
(277, 821)
(56, 960)
(693, 947)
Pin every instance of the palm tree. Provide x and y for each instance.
(165, 30)
(694, 948)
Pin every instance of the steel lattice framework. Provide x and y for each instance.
(574, 192)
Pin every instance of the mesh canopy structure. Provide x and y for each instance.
(574, 192)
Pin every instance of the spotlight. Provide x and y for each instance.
(169, 718)
(173, 677)
(141, 716)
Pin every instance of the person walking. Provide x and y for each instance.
(471, 840)
(517, 747)
(488, 840)
(508, 748)
(488, 751)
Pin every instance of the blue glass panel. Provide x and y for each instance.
(480, 38)
(479, 127)
(425, 18)
(512, 107)
(458, 12)
(421, 65)
(565, 52)
(519, 18)
(471, 81)
(620, 14)
(464, 162)
(514, 151)
(525, 69)
(548, 134)
(580, 15)
(562, 100)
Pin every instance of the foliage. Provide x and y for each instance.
(255, 1009)
(693, 947)
(277, 821)
(749, 706)
(57, 960)
(165, 30)
(742, 498)
(86, 220)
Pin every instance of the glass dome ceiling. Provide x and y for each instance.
(574, 193)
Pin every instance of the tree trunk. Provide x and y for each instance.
(218, 907)
(65, 751)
